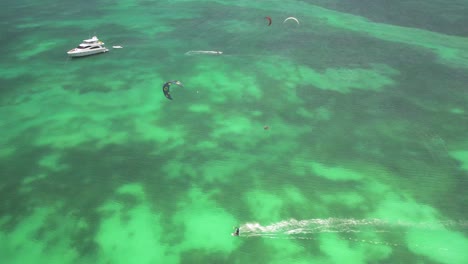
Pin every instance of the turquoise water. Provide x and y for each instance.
(339, 140)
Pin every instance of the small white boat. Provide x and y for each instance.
(117, 47)
(88, 47)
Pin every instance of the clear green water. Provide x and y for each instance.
(365, 159)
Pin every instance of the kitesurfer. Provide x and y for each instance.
(236, 233)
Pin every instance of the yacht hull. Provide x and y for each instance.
(82, 53)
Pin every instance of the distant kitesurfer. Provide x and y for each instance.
(236, 233)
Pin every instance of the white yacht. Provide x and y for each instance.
(88, 47)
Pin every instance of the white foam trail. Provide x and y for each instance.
(203, 52)
(299, 229)
(309, 229)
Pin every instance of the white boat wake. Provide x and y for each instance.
(203, 52)
(311, 228)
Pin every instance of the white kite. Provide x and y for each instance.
(291, 18)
